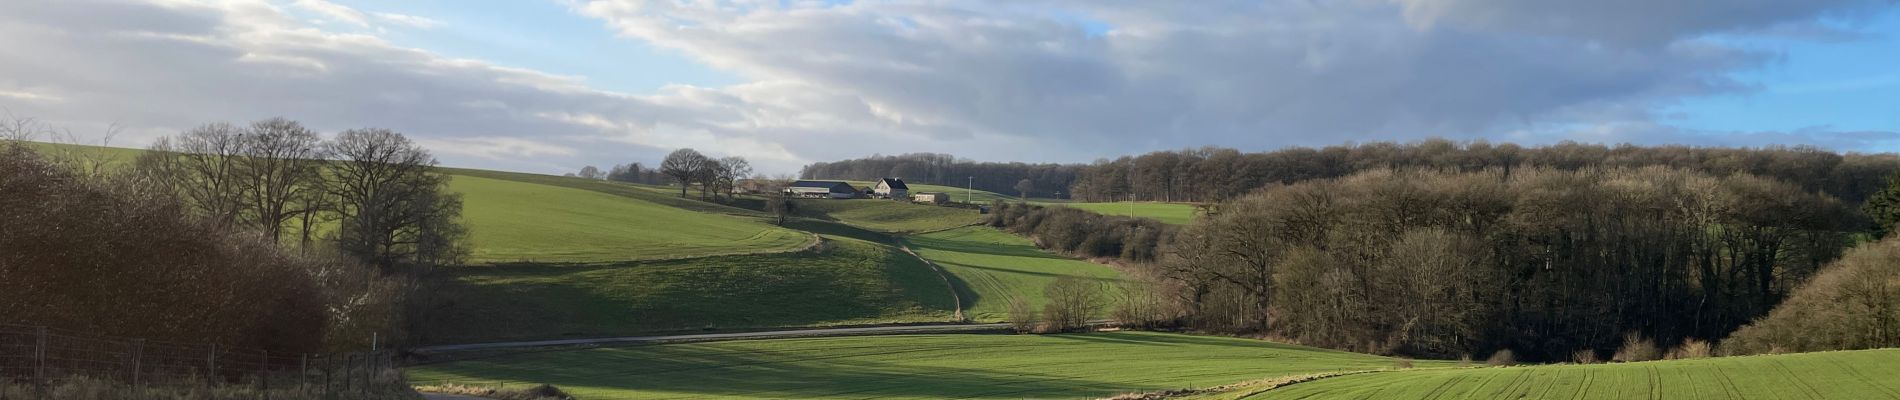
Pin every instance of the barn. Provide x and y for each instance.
(822, 189)
(931, 198)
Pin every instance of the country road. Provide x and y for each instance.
(874, 330)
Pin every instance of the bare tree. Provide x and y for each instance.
(393, 207)
(684, 165)
(1072, 301)
(201, 166)
(732, 170)
(280, 164)
(780, 204)
(1024, 186)
(590, 172)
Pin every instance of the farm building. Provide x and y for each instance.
(822, 189)
(931, 197)
(891, 188)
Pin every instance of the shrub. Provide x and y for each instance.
(1501, 358)
(1585, 356)
(1072, 301)
(1853, 303)
(1022, 317)
(1690, 348)
(1637, 348)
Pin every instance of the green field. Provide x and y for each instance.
(888, 215)
(1830, 375)
(992, 265)
(512, 221)
(908, 367)
(850, 282)
(1172, 213)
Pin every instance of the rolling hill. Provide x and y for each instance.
(990, 266)
(1865, 374)
(905, 367)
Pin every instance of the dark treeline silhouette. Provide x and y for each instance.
(1542, 261)
(1081, 232)
(1046, 180)
(122, 255)
(1217, 174)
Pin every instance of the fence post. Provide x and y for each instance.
(39, 358)
(211, 362)
(138, 355)
(303, 378)
(366, 377)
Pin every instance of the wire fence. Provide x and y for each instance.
(43, 357)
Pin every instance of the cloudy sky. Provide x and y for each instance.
(552, 85)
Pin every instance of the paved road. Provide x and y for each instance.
(875, 330)
(440, 396)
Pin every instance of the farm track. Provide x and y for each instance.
(941, 274)
(705, 337)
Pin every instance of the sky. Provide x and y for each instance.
(550, 86)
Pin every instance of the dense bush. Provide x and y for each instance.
(115, 256)
(1082, 232)
(1853, 303)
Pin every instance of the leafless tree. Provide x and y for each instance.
(732, 169)
(202, 166)
(684, 166)
(280, 166)
(591, 172)
(394, 208)
(1023, 187)
(1072, 301)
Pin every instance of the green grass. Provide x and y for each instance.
(512, 221)
(990, 266)
(851, 282)
(888, 215)
(906, 367)
(1829, 375)
(1172, 213)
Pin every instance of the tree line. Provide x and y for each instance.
(1541, 261)
(260, 236)
(1214, 174)
(1045, 180)
(684, 167)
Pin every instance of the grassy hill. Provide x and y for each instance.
(1829, 375)
(1172, 213)
(850, 281)
(905, 367)
(513, 221)
(888, 215)
(992, 265)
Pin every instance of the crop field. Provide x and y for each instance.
(906, 367)
(511, 221)
(1870, 374)
(888, 215)
(1172, 213)
(992, 265)
(850, 282)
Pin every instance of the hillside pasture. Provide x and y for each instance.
(890, 216)
(905, 366)
(1866, 374)
(1172, 213)
(512, 221)
(848, 282)
(991, 266)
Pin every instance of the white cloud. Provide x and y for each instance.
(1030, 81)
(334, 12)
(408, 20)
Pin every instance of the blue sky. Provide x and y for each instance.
(553, 85)
(1850, 84)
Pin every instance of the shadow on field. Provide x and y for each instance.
(834, 228)
(699, 370)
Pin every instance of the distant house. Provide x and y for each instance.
(891, 188)
(822, 189)
(938, 198)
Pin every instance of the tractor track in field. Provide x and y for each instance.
(707, 337)
(941, 274)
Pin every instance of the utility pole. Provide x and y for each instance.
(969, 191)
